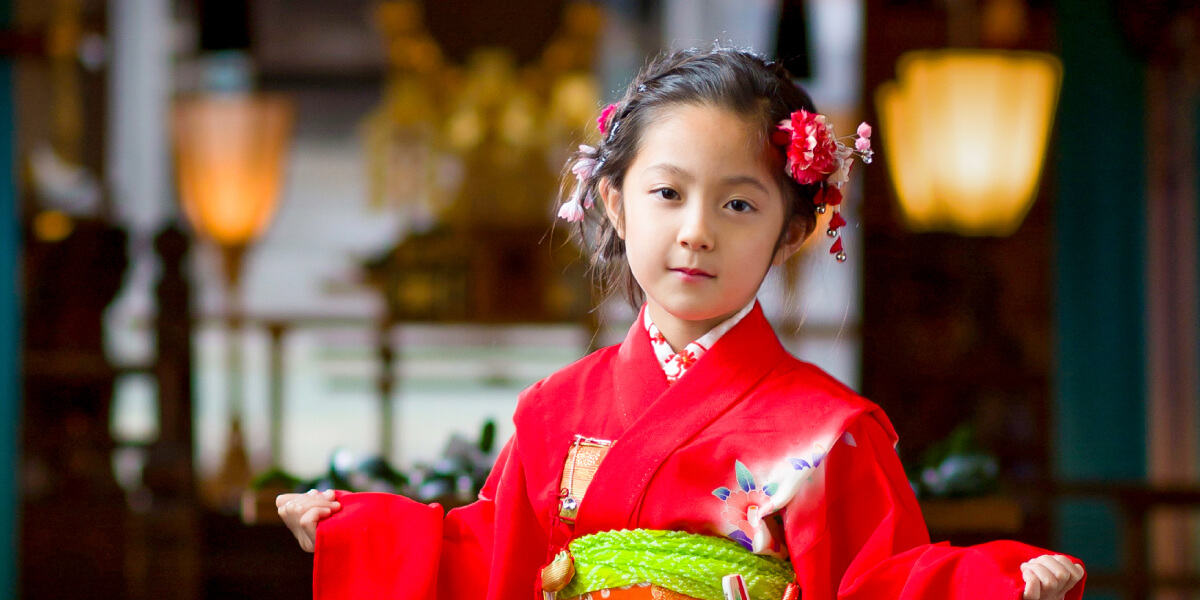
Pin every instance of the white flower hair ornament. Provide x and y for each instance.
(815, 156)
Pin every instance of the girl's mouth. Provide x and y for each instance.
(693, 273)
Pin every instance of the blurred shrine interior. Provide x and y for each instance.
(257, 246)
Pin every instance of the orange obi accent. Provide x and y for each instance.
(649, 592)
(583, 459)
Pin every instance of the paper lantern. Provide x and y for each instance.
(964, 136)
(231, 151)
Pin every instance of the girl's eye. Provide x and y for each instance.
(739, 206)
(666, 193)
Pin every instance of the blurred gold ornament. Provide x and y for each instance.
(458, 132)
(52, 226)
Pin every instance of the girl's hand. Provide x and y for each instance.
(302, 512)
(1050, 577)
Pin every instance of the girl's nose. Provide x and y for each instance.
(695, 232)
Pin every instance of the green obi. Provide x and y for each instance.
(687, 563)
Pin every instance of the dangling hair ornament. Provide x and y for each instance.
(585, 168)
(816, 156)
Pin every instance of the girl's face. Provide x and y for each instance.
(700, 212)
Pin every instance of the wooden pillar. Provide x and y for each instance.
(277, 332)
(166, 540)
(1099, 421)
(1172, 299)
(386, 384)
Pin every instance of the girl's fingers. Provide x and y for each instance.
(1067, 572)
(314, 514)
(1074, 570)
(302, 502)
(1050, 576)
(297, 508)
(308, 527)
(1060, 571)
(1033, 585)
(1049, 581)
(1064, 561)
(302, 512)
(305, 543)
(282, 499)
(301, 536)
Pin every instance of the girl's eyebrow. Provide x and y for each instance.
(731, 180)
(749, 180)
(670, 169)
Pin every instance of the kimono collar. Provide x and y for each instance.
(652, 419)
(673, 364)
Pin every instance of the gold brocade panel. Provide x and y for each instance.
(583, 459)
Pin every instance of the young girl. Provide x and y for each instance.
(697, 459)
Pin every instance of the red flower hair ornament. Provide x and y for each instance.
(815, 156)
(605, 118)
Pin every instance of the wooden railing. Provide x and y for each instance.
(1135, 502)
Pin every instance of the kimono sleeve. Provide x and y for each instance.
(385, 545)
(875, 544)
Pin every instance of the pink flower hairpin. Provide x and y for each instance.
(583, 169)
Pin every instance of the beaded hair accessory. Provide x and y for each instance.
(816, 156)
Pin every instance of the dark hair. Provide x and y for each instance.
(732, 79)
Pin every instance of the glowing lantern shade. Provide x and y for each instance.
(964, 135)
(230, 152)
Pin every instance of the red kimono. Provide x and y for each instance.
(751, 444)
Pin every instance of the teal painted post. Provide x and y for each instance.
(1099, 428)
(10, 327)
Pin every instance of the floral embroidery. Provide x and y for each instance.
(814, 460)
(674, 364)
(747, 506)
(684, 360)
(656, 336)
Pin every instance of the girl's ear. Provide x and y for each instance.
(793, 239)
(611, 198)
